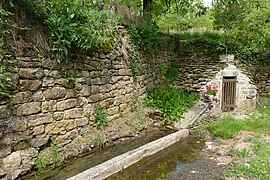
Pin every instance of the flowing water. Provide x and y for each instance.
(164, 164)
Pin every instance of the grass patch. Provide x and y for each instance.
(172, 101)
(258, 167)
(226, 127)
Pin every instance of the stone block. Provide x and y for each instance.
(38, 130)
(56, 74)
(40, 141)
(38, 96)
(81, 122)
(48, 106)
(73, 113)
(5, 151)
(67, 104)
(48, 82)
(55, 93)
(36, 120)
(29, 73)
(85, 91)
(12, 162)
(58, 116)
(29, 108)
(56, 128)
(113, 110)
(29, 85)
(71, 93)
(71, 125)
(67, 138)
(5, 112)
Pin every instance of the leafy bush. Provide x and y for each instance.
(100, 116)
(144, 36)
(74, 23)
(173, 102)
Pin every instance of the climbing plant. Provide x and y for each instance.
(5, 81)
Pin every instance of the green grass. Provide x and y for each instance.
(258, 167)
(214, 35)
(226, 127)
(255, 163)
(172, 101)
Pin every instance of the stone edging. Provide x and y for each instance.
(123, 161)
(118, 163)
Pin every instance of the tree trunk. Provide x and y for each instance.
(147, 4)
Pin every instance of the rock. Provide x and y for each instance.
(243, 145)
(36, 120)
(48, 106)
(5, 112)
(81, 122)
(29, 108)
(65, 139)
(20, 125)
(40, 141)
(58, 116)
(112, 111)
(56, 128)
(85, 91)
(38, 96)
(29, 73)
(71, 125)
(67, 104)
(12, 162)
(4, 151)
(38, 130)
(73, 113)
(21, 97)
(2, 173)
(48, 82)
(55, 93)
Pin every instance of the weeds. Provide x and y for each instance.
(173, 102)
(100, 116)
(99, 139)
(53, 157)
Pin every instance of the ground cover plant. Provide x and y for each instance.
(254, 162)
(172, 101)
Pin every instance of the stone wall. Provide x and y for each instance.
(54, 103)
(196, 70)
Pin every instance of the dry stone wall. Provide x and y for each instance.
(54, 103)
(196, 70)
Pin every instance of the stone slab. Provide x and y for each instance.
(123, 161)
(192, 115)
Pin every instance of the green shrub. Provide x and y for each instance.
(173, 102)
(144, 36)
(100, 116)
(73, 23)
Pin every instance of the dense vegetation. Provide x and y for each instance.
(173, 102)
(241, 27)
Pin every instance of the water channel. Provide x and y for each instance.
(165, 164)
(85, 162)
